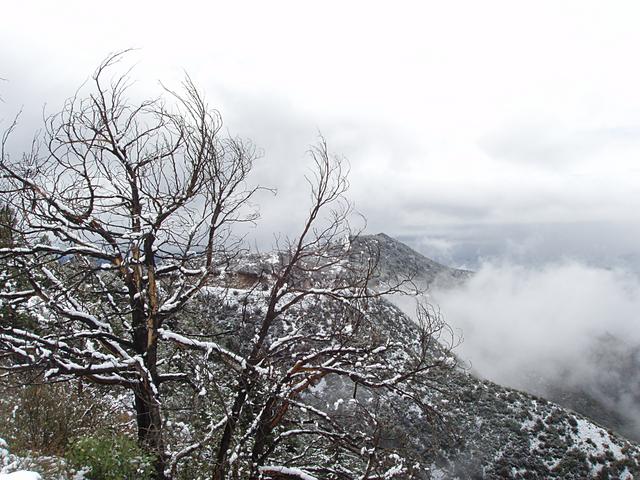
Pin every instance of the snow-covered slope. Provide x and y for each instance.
(488, 431)
(608, 395)
(505, 433)
(396, 258)
(471, 428)
(477, 429)
(606, 389)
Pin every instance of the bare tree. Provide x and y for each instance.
(123, 214)
(123, 235)
(313, 315)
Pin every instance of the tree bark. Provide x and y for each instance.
(149, 422)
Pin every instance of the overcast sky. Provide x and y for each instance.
(472, 128)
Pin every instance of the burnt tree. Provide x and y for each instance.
(123, 212)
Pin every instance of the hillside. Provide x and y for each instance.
(445, 424)
(606, 394)
(475, 428)
(396, 258)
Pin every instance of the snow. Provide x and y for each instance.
(21, 475)
(8, 462)
(206, 346)
(598, 437)
(282, 340)
(273, 259)
(626, 474)
(436, 473)
(294, 472)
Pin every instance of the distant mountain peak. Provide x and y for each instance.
(397, 258)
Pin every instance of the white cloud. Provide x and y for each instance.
(518, 313)
(436, 104)
(562, 325)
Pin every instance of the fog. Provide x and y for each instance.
(554, 329)
(450, 113)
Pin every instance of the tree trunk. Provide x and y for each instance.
(149, 423)
(262, 438)
(225, 442)
(148, 414)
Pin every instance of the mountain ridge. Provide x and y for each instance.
(396, 258)
(538, 438)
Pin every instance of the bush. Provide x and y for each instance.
(37, 419)
(110, 458)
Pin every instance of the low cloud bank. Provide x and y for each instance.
(564, 326)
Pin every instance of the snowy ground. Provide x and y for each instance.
(9, 464)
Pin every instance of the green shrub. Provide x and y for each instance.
(44, 419)
(110, 458)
